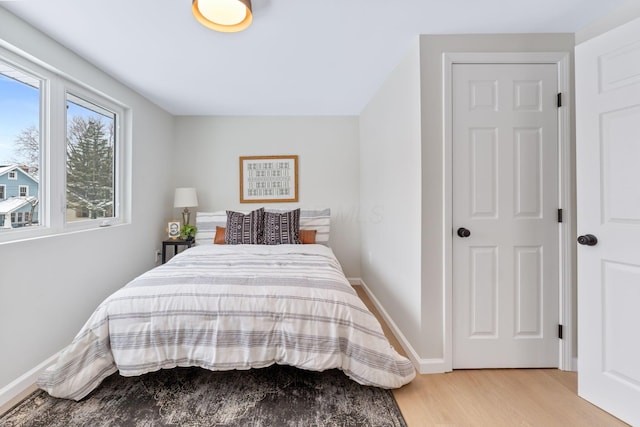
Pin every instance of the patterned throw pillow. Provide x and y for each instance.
(244, 229)
(282, 228)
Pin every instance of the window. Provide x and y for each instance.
(90, 160)
(79, 183)
(20, 116)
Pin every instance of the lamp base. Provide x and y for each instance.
(186, 216)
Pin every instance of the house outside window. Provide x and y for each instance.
(20, 144)
(19, 219)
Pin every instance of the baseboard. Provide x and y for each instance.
(424, 366)
(18, 389)
(355, 281)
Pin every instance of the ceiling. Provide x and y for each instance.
(300, 57)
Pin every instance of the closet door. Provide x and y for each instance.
(505, 201)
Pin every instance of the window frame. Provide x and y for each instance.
(3, 192)
(119, 112)
(26, 190)
(54, 86)
(12, 175)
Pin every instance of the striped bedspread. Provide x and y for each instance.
(224, 307)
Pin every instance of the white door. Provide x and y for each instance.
(608, 192)
(505, 193)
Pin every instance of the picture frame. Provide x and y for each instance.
(173, 229)
(268, 179)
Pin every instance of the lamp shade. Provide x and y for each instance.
(185, 197)
(227, 16)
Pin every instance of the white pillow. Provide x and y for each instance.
(207, 223)
(319, 220)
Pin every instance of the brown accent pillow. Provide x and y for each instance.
(219, 239)
(307, 236)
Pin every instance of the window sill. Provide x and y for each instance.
(20, 236)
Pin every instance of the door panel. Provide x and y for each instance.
(484, 173)
(484, 290)
(505, 190)
(528, 173)
(608, 200)
(529, 289)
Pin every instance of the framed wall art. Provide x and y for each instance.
(268, 179)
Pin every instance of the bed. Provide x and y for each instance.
(223, 307)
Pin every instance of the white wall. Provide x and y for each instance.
(328, 167)
(390, 194)
(627, 12)
(49, 286)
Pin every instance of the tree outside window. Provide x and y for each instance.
(90, 162)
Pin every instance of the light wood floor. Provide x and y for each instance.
(494, 397)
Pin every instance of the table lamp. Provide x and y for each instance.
(185, 198)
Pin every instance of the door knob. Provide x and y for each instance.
(463, 232)
(588, 240)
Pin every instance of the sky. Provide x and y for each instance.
(19, 109)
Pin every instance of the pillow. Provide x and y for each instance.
(319, 220)
(219, 238)
(282, 228)
(244, 229)
(307, 236)
(207, 222)
(310, 219)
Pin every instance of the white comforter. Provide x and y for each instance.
(231, 307)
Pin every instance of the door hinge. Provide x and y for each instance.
(559, 99)
(560, 331)
(559, 215)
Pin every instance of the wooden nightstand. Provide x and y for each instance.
(175, 243)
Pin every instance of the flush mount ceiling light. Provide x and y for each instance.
(227, 16)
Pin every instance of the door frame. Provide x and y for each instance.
(565, 190)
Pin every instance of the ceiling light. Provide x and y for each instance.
(228, 16)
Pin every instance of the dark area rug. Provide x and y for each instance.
(278, 396)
